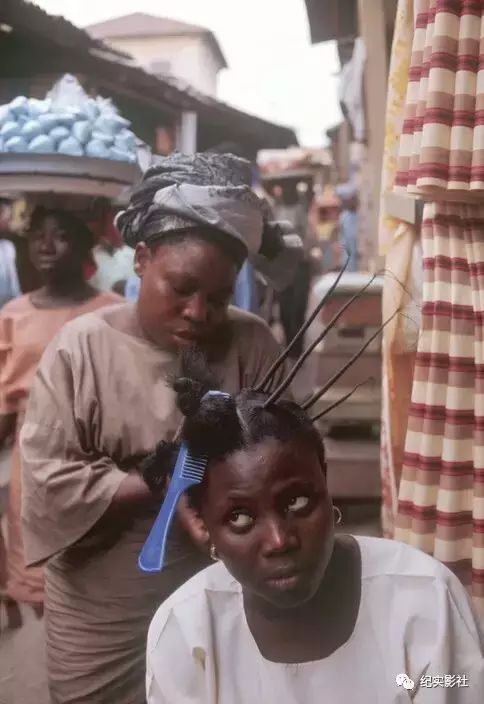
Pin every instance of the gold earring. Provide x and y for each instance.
(338, 516)
(213, 553)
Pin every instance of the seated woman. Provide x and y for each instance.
(291, 612)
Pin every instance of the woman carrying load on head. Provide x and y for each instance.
(60, 243)
(292, 612)
(102, 401)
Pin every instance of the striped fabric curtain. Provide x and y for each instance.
(441, 160)
(442, 142)
(441, 500)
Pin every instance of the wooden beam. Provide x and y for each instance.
(373, 30)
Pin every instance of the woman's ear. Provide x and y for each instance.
(193, 523)
(142, 257)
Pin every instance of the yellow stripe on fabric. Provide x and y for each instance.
(453, 550)
(424, 495)
(445, 344)
(435, 135)
(407, 489)
(454, 501)
(446, 24)
(478, 558)
(478, 508)
(465, 84)
(422, 541)
(451, 397)
(435, 446)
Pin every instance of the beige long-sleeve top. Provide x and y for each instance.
(100, 403)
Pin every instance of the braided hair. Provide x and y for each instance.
(217, 426)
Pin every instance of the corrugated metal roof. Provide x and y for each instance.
(29, 16)
(120, 70)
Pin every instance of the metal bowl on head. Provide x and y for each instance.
(59, 173)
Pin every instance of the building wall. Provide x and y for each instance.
(189, 58)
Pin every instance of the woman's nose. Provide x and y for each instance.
(278, 536)
(196, 309)
(46, 242)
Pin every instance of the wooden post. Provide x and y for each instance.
(187, 132)
(373, 30)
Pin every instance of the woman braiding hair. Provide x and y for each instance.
(101, 403)
(292, 612)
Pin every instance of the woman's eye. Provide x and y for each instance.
(221, 301)
(180, 291)
(298, 503)
(240, 520)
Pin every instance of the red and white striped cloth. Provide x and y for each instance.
(441, 151)
(441, 498)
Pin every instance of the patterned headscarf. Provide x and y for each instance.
(213, 191)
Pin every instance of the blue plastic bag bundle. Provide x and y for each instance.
(68, 122)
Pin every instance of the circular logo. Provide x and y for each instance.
(404, 681)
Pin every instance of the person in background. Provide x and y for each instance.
(111, 264)
(102, 401)
(292, 204)
(349, 223)
(132, 288)
(114, 266)
(291, 612)
(12, 229)
(245, 293)
(60, 244)
(9, 283)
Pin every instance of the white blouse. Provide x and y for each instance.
(414, 618)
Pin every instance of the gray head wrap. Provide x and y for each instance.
(212, 191)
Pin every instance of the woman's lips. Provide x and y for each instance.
(284, 579)
(284, 583)
(187, 336)
(43, 264)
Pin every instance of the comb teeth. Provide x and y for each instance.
(194, 467)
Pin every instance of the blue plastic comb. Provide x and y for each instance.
(188, 472)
